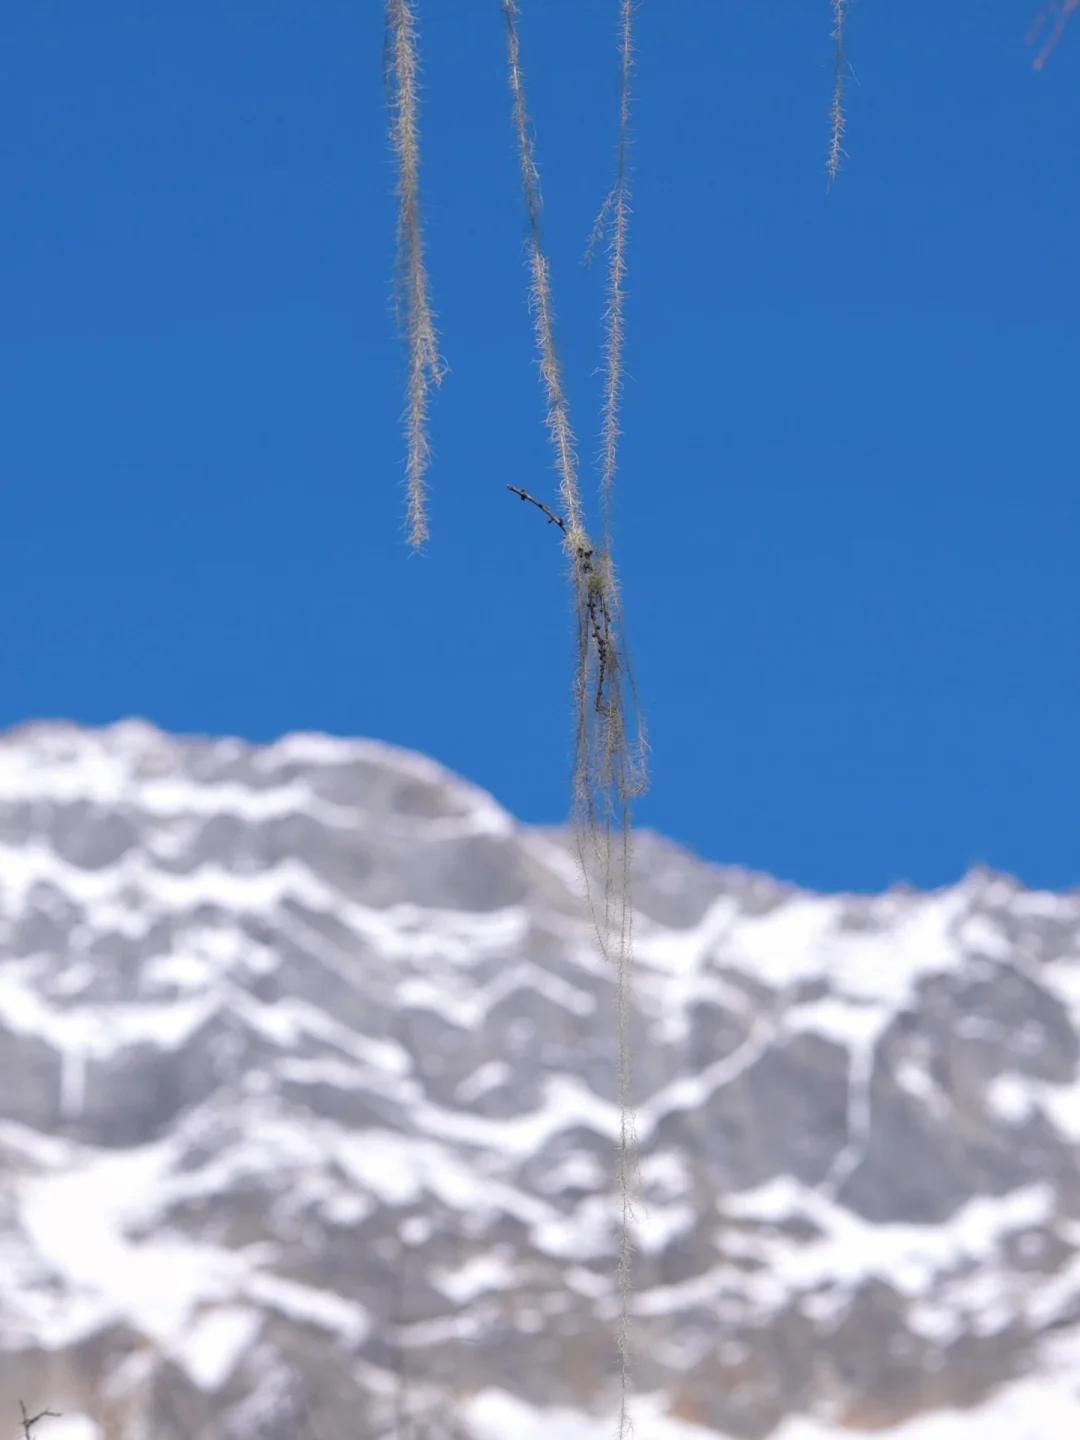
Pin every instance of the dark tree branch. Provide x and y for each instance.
(29, 1421)
(600, 622)
(584, 552)
(553, 519)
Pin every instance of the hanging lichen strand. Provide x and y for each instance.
(839, 121)
(411, 285)
(614, 770)
(609, 742)
(1061, 10)
(615, 215)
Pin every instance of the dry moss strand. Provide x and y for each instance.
(412, 286)
(1061, 11)
(617, 206)
(838, 118)
(608, 763)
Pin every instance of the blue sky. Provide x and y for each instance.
(848, 517)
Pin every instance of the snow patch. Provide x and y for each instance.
(213, 1345)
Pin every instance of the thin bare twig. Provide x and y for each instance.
(553, 519)
(29, 1421)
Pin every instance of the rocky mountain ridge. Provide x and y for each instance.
(308, 1120)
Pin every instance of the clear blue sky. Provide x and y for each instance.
(849, 513)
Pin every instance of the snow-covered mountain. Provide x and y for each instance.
(308, 1122)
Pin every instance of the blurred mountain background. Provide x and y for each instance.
(309, 1120)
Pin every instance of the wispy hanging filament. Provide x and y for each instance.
(1062, 9)
(609, 743)
(839, 120)
(412, 288)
